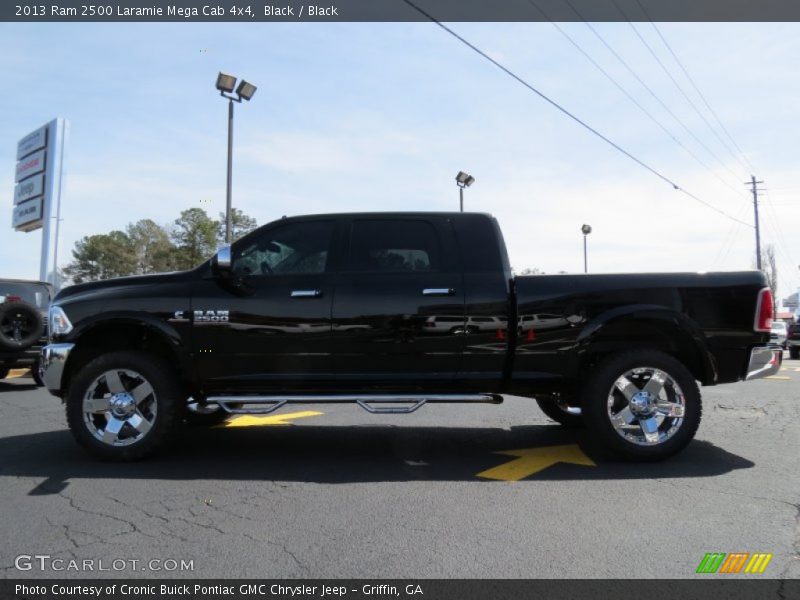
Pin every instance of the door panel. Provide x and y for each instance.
(398, 314)
(278, 328)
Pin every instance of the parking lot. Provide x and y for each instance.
(449, 491)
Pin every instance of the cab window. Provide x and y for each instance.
(290, 249)
(394, 246)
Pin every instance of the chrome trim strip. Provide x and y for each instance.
(764, 361)
(365, 401)
(306, 293)
(51, 365)
(438, 292)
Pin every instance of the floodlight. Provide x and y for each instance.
(226, 83)
(245, 90)
(464, 179)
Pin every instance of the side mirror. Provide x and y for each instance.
(223, 259)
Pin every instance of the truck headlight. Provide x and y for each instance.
(57, 322)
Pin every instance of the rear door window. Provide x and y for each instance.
(394, 245)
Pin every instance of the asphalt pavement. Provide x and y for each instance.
(450, 491)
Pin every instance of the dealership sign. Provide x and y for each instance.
(36, 176)
(30, 165)
(28, 215)
(32, 142)
(32, 187)
(37, 189)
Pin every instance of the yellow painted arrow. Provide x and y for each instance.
(14, 373)
(256, 420)
(533, 460)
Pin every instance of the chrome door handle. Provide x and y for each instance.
(438, 292)
(306, 293)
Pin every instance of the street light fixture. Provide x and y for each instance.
(245, 91)
(586, 230)
(463, 180)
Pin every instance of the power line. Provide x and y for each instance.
(699, 93)
(632, 99)
(780, 238)
(678, 86)
(655, 96)
(729, 240)
(570, 115)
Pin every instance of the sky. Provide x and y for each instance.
(381, 116)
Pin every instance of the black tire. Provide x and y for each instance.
(35, 374)
(599, 392)
(555, 410)
(21, 326)
(794, 352)
(163, 404)
(4, 372)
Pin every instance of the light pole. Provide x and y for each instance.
(586, 230)
(245, 91)
(463, 180)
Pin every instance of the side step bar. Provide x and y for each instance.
(236, 405)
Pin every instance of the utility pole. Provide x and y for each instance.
(754, 183)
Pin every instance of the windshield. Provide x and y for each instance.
(31, 293)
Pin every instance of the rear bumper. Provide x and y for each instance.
(51, 365)
(764, 361)
(21, 358)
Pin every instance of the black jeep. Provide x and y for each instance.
(23, 324)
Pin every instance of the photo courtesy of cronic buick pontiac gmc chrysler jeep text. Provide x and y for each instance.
(391, 311)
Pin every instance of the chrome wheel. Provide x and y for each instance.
(646, 406)
(119, 407)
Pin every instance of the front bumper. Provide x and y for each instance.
(764, 361)
(51, 365)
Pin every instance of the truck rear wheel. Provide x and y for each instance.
(794, 352)
(643, 405)
(558, 410)
(123, 405)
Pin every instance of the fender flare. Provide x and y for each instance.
(687, 329)
(152, 324)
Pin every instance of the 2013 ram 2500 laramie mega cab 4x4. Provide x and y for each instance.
(390, 311)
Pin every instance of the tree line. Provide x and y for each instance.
(147, 247)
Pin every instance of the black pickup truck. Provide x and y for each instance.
(390, 311)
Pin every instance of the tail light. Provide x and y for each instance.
(764, 311)
(13, 298)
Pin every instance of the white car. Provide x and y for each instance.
(777, 334)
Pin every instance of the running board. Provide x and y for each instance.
(235, 405)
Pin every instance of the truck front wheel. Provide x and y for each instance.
(123, 405)
(643, 405)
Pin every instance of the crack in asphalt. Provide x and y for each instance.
(172, 519)
(795, 549)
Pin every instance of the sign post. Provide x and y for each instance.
(39, 176)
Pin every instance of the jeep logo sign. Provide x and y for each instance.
(29, 188)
